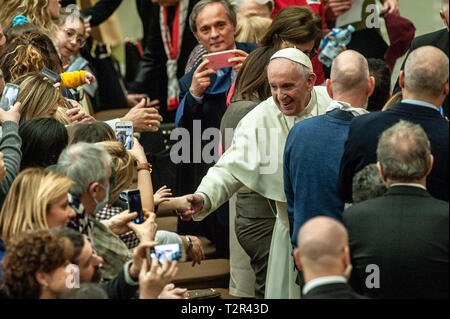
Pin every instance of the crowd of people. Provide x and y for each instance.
(314, 182)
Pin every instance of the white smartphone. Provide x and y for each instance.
(170, 251)
(124, 134)
(9, 96)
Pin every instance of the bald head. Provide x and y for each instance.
(426, 72)
(349, 72)
(321, 243)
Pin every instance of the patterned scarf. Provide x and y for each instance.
(172, 44)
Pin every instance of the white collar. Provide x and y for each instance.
(409, 184)
(323, 281)
(343, 106)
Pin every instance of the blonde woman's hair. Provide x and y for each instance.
(123, 164)
(35, 11)
(29, 199)
(38, 96)
(252, 29)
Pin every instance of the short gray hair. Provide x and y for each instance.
(426, 71)
(84, 163)
(404, 152)
(199, 6)
(367, 184)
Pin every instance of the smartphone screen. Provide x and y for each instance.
(77, 65)
(51, 75)
(135, 205)
(9, 96)
(170, 251)
(124, 134)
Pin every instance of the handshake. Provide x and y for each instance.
(193, 203)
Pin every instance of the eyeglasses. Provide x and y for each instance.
(71, 34)
(310, 53)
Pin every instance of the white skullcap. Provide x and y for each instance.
(295, 55)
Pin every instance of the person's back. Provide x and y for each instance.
(399, 242)
(424, 85)
(409, 247)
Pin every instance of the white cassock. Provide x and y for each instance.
(255, 160)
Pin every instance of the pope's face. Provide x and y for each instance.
(214, 29)
(290, 91)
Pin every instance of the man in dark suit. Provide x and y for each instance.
(424, 85)
(438, 39)
(399, 242)
(154, 73)
(203, 103)
(323, 255)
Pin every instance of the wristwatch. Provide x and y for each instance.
(190, 244)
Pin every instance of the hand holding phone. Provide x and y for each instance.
(9, 96)
(51, 75)
(135, 205)
(219, 60)
(170, 252)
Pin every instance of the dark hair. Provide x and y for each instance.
(29, 52)
(382, 74)
(32, 252)
(367, 184)
(296, 24)
(86, 291)
(91, 133)
(75, 237)
(251, 81)
(43, 140)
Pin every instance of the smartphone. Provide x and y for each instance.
(124, 134)
(170, 251)
(51, 75)
(219, 60)
(9, 96)
(77, 65)
(135, 205)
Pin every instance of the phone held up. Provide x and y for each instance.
(124, 134)
(51, 75)
(134, 204)
(9, 96)
(170, 252)
(219, 60)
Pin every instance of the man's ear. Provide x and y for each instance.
(93, 189)
(401, 79)
(311, 81)
(446, 88)
(380, 170)
(196, 37)
(430, 164)
(298, 263)
(370, 86)
(329, 85)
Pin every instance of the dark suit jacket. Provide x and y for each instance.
(405, 233)
(438, 39)
(152, 77)
(365, 130)
(332, 291)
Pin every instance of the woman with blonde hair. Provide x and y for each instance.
(252, 29)
(36, 200)
(40, 98)
(41, 13)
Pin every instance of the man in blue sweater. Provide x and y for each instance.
(315, 146)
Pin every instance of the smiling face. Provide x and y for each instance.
(290, 91)
(60, 213)
(214, 29)
(53, 8)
